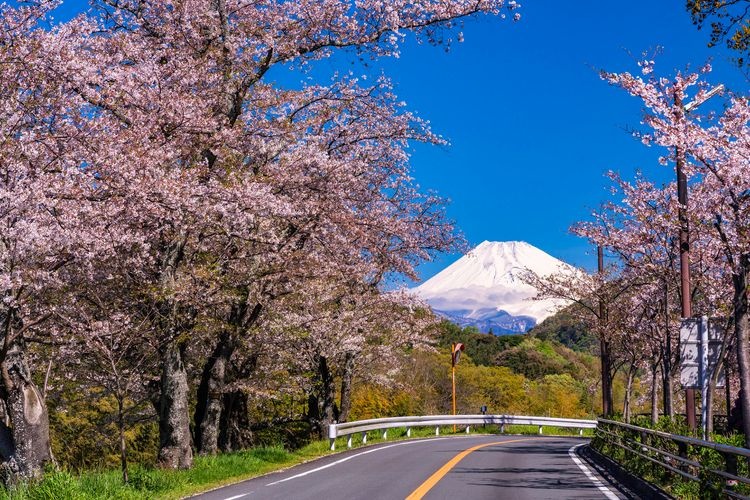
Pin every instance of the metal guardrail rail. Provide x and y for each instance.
(644, 443)
(383, 424)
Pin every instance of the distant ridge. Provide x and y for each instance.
(484, 287)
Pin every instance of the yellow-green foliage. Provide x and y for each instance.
(496, 387)
(559, 396)
(373, 401)
(425, 388)
(84, 435)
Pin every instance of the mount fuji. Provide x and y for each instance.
(484, 287)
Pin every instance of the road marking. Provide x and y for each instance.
(237, 496)
(442, 471)
(607, 492)
(354, 456)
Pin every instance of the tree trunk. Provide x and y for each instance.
(654, 394)
(667, 368)
(628, 394)
(666, 386)
(235, 433)
(324, 412)
(174, 423)
(210, 396)
(727, 392)
(346, 388)
(709, 402)
(24, 436)
(741, 329)
(606, 365)
(121, 430)
(712, 383)
(211, 401)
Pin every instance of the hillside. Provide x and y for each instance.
(528, 355)
(564, 328)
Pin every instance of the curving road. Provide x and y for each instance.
(472, 467)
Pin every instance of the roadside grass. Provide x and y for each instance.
(211, 472)
(145, 482)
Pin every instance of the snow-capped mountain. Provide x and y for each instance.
(484, 287)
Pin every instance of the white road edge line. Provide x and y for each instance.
(607, 492)
(354, 456)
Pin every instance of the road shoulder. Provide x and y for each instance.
(626, 483)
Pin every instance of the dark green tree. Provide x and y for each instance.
(729, 21)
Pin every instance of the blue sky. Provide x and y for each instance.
(532, 127)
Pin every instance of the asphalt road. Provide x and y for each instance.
(466, 468)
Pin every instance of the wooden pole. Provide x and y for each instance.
(453, 370)
(682, 215)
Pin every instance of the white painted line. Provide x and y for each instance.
(237, 496)
(607, 492)
(355, 456)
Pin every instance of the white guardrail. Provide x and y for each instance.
(383, 424)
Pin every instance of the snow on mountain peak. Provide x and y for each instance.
(486, 283)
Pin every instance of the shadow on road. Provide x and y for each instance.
(540, 466)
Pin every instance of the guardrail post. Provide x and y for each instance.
(332, 435)
(731, 463)
(682, 451)
(352, 428)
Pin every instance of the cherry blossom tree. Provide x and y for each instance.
(214, 184)
(595, 299)
(716, 150)
(639, 230)
(46, 216)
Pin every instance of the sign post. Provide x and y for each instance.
(700, 346)
(455, 357)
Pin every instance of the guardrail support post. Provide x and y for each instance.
(332, 434)
(350, 429)
(731, 463)
(682, 451)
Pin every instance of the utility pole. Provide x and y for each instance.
(603, 344)
(684, 239)
(685, 304)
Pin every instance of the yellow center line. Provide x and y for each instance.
(423, 488)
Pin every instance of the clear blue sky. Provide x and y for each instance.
(532, 127)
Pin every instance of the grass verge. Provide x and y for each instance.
(215, 471)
